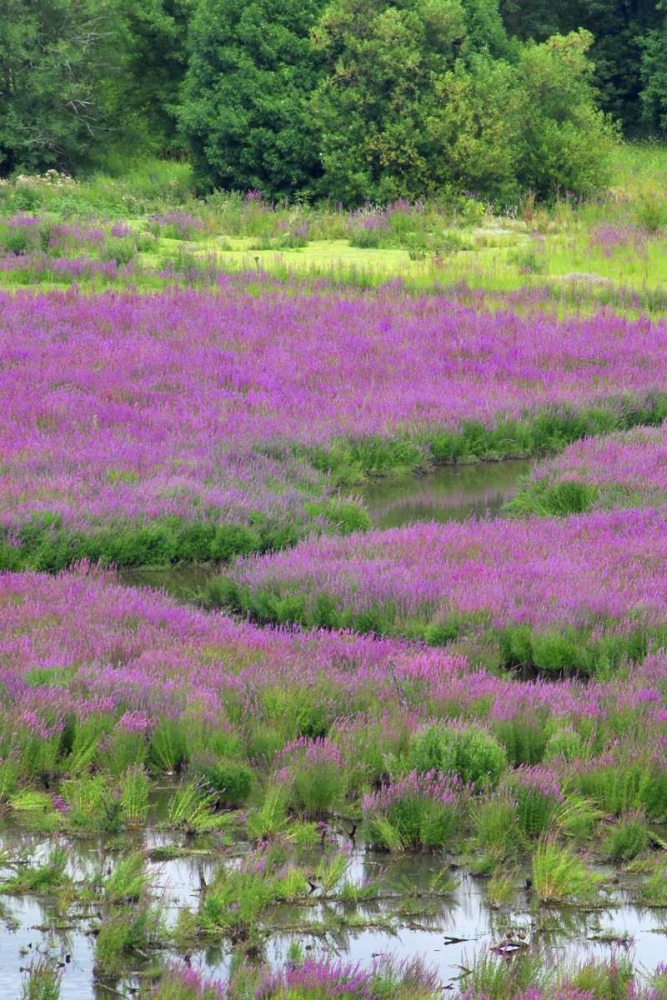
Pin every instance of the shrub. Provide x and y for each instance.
(230, 781)
(651, 210)
(121, 251)
(564, 743)
(470, 753)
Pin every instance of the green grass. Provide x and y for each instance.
(439, 245)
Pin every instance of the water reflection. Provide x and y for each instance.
(451, 493)
(407, 916)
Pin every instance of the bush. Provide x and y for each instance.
(564, 743)
(121, 251)
(230, 780)
(472, 754)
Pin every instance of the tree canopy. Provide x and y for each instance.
(351, 100)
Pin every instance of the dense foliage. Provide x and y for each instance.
(381, 101)
(56, 60)
(629, 49)
(345, 99)
(245, 99)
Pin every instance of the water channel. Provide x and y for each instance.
(449, 493)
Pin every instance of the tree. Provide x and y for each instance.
(415, 104)
(564, 138)
(654, 77)
(621, 30)
(244, 103)
(157, 54)
(56, 57)
(372, 110)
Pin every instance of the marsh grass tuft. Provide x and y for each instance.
(559, 876)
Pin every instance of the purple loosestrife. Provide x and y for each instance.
(601, 572)
(80, 643)
(128, 406)
(628, 468)
(78, 650)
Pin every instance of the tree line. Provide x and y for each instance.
(350, 100)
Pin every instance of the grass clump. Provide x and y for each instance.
(554, 499)
(42, 980)
(128, 882)
(496, 831)
(559, 876)
(126, 935)
(44, 878)
(627, 838)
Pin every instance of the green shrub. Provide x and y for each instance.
(564, 743)
(470, 753)
(230, 781)
(651, 210)
(121, 251)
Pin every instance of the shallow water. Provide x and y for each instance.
(448, 931)
(450, 493)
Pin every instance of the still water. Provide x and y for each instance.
(451, 493)
(447, 931)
